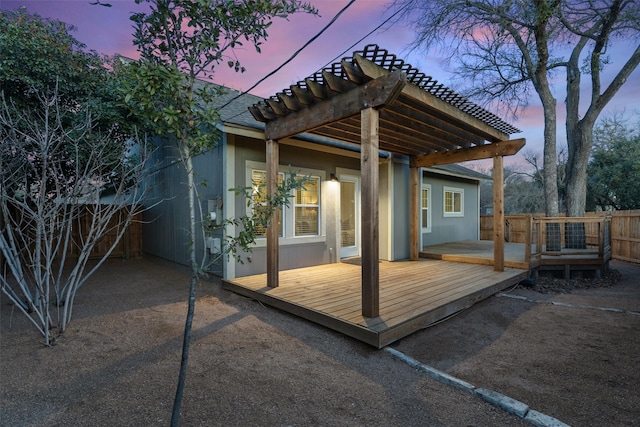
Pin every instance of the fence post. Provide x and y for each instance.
(527, 241)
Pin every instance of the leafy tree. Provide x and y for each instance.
(40, 57)
(508, 49)
(180, 41)
(63, 147)
(614, 166)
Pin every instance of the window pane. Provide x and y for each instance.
(448, 202)
(307, 208)
(306, 221)
(259, 184)
(424, 212)
(457, 202)
(309, 194)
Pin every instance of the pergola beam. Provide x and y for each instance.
(374, 94)
(479, 152)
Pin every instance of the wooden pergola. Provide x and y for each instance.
(376, 100)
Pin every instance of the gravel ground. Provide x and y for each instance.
(117, 363)
(568, 349)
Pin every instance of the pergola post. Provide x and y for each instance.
(498, 213)
(273, 250)
(370, 238)
(414, 215)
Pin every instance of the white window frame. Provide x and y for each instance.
(427, 187)
(288, 237)
(452, 190)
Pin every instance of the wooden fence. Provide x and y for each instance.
(130, 246)
(625, 231)
(625, 234)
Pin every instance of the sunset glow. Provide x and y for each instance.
(109, 31)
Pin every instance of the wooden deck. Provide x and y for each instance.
(481, 252)
(413, 294)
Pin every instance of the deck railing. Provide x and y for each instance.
(555, 236)
(575, 236)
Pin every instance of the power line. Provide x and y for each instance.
(311, 40)
(367, 35)
(298, 51)
(328, 63)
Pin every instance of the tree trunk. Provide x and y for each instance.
(580, 146)
(577, 152)
(187, 160)
(540, 80)
(186, 344)
(550, 156)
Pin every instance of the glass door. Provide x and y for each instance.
(349, 216)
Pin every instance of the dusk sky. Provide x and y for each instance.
(108, 31)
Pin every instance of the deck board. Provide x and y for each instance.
(412, 294)
(479, 252)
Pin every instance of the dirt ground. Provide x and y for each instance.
(252, 365)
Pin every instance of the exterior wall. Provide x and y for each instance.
(295, 252)
(451, 229)
(400, 209)
(166, 220)
(385, 210)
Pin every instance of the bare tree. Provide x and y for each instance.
(504, 49)
(52, 176)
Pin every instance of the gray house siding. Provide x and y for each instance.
(451, 229)
(308, 252)
(385, 210)
(400, 208)
(166, 220)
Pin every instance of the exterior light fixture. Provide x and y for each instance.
(333, 177)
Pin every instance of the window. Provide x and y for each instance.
(307, 208)
(301, 219)
(259, 184)
(453, 201)
(425, 211)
